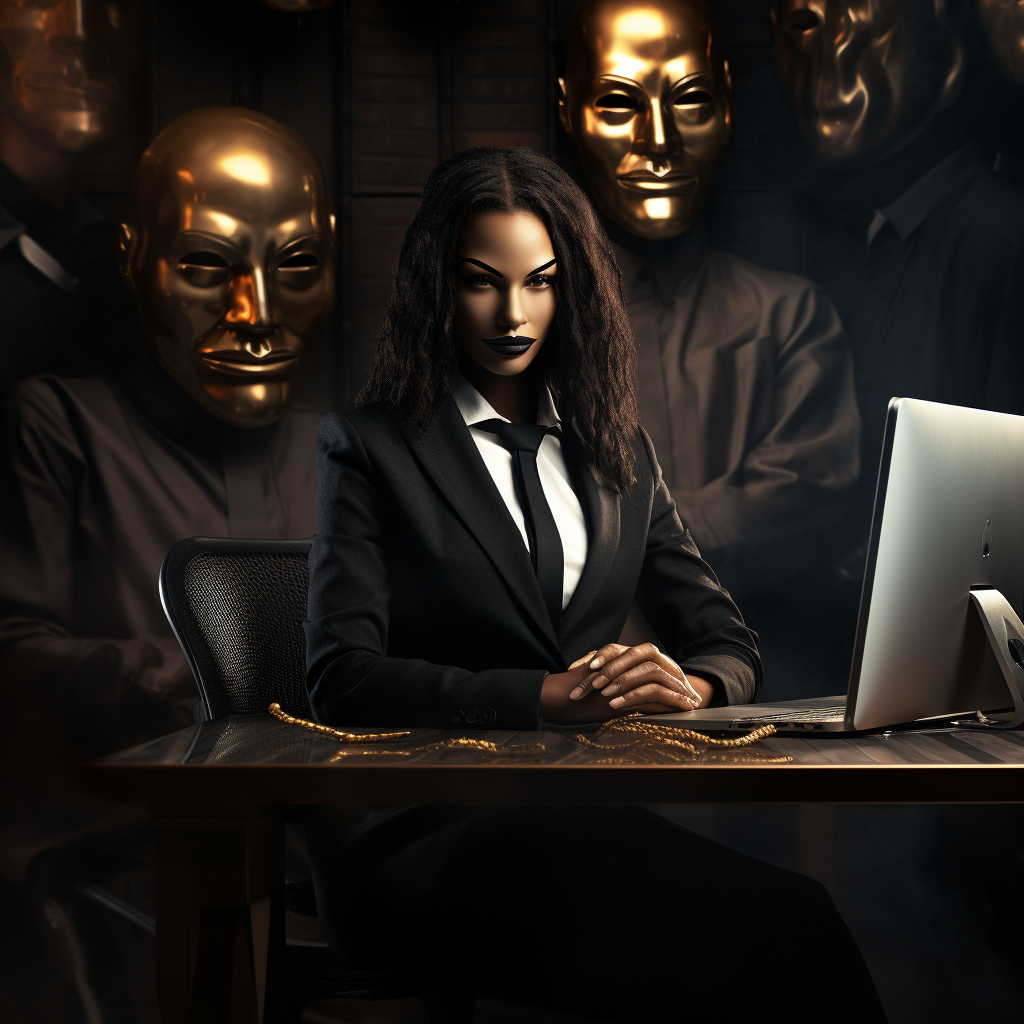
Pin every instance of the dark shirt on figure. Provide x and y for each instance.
(98, 482)
(746, 388)
(941, 314)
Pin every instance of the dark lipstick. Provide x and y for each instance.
(509, 346)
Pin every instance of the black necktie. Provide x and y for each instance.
(523, 440)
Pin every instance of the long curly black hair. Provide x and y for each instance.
(588, 359)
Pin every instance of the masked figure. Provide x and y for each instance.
(866, 77)
(922, 243)
(67, 71)
(230, 250)
(745, 376)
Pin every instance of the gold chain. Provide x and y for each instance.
(452, 743)
(671, 735)
(345, 737)
(667, 739)
(674, 742)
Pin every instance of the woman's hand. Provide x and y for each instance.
(555, 705)
(638, 679)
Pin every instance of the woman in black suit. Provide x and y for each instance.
(484, 521)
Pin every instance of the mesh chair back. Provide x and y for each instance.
(237, 608)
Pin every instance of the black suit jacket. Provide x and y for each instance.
(424, 608)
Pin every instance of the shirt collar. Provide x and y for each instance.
(908, 212)
(475, 408)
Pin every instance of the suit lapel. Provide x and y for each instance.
(450, 456)
(601, 506)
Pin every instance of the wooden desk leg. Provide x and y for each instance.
(219, 916)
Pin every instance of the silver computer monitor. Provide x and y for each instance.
(948, 520)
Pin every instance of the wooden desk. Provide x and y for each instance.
(219, 791)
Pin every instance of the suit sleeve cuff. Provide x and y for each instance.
(730, 671)
(502, 699)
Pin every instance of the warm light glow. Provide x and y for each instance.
(185, 185)
(243, 305)
(641, 25)
(658, 209)
(226, 225)
(246, 168)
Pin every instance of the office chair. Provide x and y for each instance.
(237, 608)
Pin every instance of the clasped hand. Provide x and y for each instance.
(616, 680)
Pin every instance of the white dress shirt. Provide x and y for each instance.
(554, 477)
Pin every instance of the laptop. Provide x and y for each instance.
(939, 632)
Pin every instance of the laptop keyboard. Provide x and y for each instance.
(835, 713)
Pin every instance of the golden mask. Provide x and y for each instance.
(866, 77)
(68, 68)
(647, 99)
(230, 250)
(1003, 24)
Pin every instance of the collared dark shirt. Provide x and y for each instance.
(941, 315)
(99, 481)
(746, 388)
(64, 321)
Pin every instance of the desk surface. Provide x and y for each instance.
(260, 760)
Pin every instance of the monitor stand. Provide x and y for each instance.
(1005, 633)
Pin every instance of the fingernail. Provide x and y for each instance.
(615, 703)
(597, 663)
(576, 694)
(609, 690)
(598, 681)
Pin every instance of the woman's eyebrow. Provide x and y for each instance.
(545, 267)
(480, 263)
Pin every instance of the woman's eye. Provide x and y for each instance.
(541, 281)
(478, 279)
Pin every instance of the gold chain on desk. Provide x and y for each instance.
(671, 735)
(326, 730)
(451, 743)
(674, 742)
